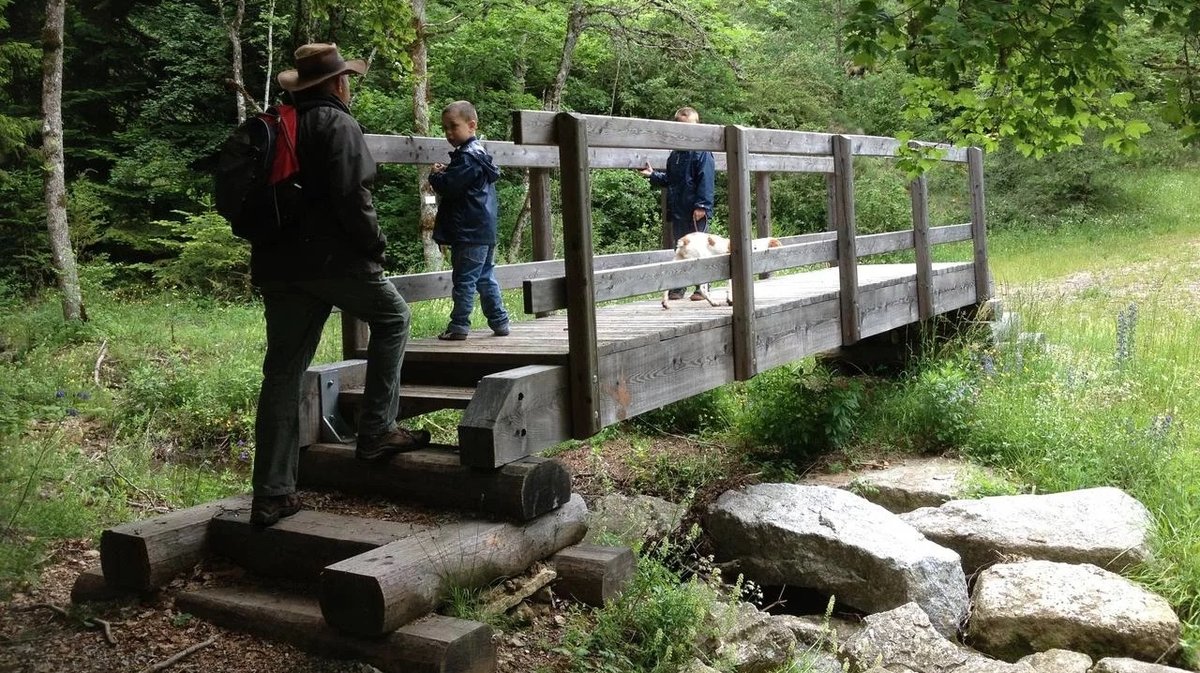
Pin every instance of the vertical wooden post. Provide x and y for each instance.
(762, 209)
(919, 193)
(355, 335)
(539, 212)
(983, 289)
(831, 205)
(582, 358)
(737, 170)
(843, 217)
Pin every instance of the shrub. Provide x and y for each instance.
(802, 413)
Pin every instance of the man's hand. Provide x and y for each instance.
(646, 170)
(438, 168)
(699, 214)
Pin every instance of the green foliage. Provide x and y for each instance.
(653, 626)
(705, 413)
(800, 411)
(208, 257)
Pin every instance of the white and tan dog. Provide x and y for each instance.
(698, 245)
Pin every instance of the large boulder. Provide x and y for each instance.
(1022, 608)
(1123, 665)
(1101, 526)
(1058, 661)
(838, 543)
(904, 640)
(917, 483)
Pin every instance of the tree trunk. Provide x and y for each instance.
(420, 62)
(575, 25)
(234, 29)
(52, 144)
(270, 53)
(518, 235)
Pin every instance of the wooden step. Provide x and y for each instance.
(147, 554)
(436, 644)
(415, 399)
(521, 490)
(377, 592)
(300, 546)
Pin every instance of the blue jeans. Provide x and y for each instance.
(295, 314)
(475, 271)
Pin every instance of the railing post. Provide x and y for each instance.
(919, 193)
(745, 365)
(762, 209)
(831, 205)
(355, 335)
(983, 287)
(582, 358)
(843, 218)
(539, 213)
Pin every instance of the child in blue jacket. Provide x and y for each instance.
(689, 181)
(466, 221)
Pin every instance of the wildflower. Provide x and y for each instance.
(244, 456)
(1126, 324)
(60, 393)
(72, 411)
(988, 363)
(83, 395)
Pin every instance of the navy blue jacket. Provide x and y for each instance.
(689, 182)
(468, 205)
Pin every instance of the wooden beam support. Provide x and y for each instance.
(300, 546)
(592, 574)
(572, 136)
(380, 591)
(950, 233)
(741, 267)
(919, 193)
(90, 585)
(355, 336)
(762, 209)
(514, 414)
(888, 241)
(843, 165)
(147, 554)
(436, 644)
(350, 374)
(537, 127)
(983, 286)
(539, 211)
(522, 490)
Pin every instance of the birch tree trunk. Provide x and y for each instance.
(575, 24)
(520, 70)
(234, 29)
(270, 53)
(419, 54)
(52, 144)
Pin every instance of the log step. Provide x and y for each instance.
(593, 574)
(377, 592)
(521, 490)
(300, 546)
(436, 644)
(415, 400)
(147, 554)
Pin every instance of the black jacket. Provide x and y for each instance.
(339, 235)
(467, 207)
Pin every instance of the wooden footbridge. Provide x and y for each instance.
(566, 374)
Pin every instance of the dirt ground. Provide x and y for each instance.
(41, 632)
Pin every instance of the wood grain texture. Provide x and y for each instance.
(380, 591)
(435, 644)
(843, 161)
(918, 191)
(515, 414)
(983, 286)
(592, 574)
(740, 264)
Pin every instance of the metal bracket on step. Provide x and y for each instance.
(333, 427)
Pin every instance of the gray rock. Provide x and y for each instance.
(1101, 526)
(752, 640)
(815, 631)
(631, 519)
(838, 543)
(904, 640)
(1058, 661)
(1022, 608)
(916, 483)
(816, 662)
(1123, 665)
(697, 666)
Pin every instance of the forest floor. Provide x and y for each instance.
(36, 638)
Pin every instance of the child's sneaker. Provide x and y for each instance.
(453, 336)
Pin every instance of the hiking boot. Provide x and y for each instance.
(265, 510)
(388, 444)
(453, 336)
(675, 294)
(696, 296)
(502, 330)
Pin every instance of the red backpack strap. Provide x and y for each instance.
(286, 162)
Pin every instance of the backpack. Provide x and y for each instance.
(257, 187)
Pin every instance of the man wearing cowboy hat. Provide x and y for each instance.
(335, 258)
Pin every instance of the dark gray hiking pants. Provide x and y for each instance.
(295, 314)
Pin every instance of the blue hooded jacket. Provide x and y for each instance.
(468, 205)
(689, 181)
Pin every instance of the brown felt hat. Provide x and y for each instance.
(316, 63)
